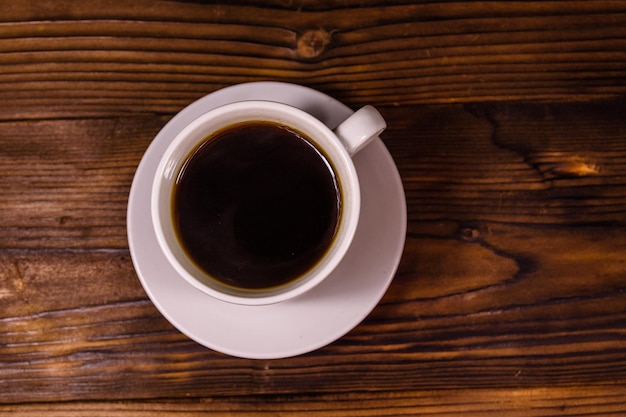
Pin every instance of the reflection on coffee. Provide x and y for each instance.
(256, 205)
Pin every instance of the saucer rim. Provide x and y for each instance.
(135, 247)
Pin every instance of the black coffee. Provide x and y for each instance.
(256, 205)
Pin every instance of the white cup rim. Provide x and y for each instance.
(230, 114)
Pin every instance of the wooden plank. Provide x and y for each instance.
(540, 402)
(104, 58)
(530, 164)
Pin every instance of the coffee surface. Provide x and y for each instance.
(256, 205)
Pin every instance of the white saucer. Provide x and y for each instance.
(312, 320)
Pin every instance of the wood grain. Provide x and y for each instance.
(506, 121)
(108, 57)
(77, 174)
(511, 403)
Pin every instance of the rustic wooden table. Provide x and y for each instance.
(507, 121)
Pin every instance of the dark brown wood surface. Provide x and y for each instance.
(508, 124)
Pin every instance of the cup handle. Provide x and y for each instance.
(359, 129)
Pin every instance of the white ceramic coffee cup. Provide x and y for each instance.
(338, 145)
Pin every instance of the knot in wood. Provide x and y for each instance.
(312, 43)
(470, 234)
